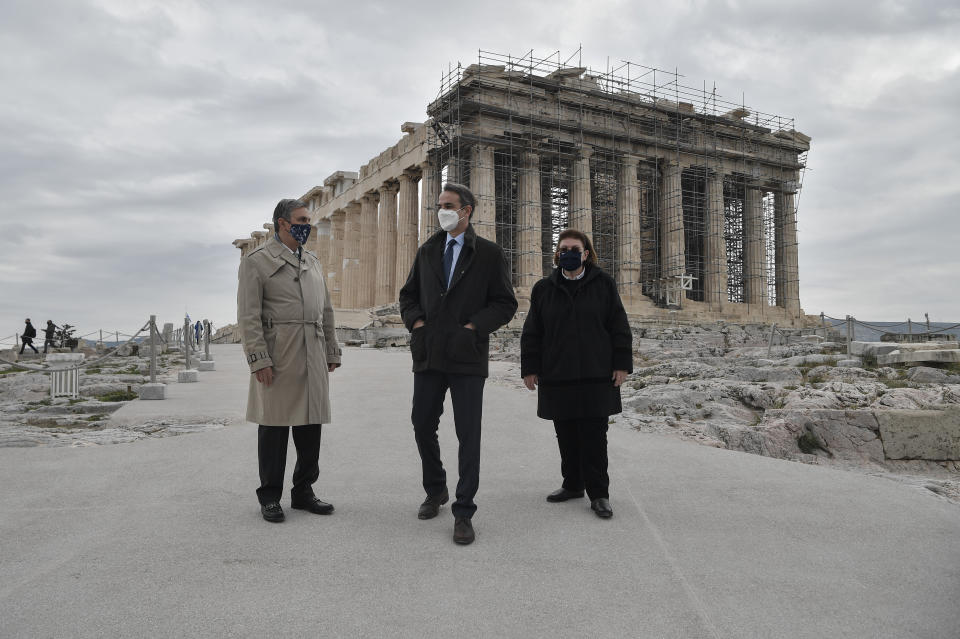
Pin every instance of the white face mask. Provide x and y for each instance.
(449, 218)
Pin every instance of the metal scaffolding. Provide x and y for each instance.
(688, 198)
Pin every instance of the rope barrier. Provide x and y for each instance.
(47, 369)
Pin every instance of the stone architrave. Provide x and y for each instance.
(430, 187)
(628, 224)
(351, 257)
(754, 248)
(368, 251)
(335, 269)
(483, 185)
(715, 248)
(672, 248)
(387, 246)
(530, 258)
(787, 267)
(406, 229)
(581, 213)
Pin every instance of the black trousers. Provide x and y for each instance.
(272, 453)
(48, 342)
(28, 341)
(583, 455)
(466, 395)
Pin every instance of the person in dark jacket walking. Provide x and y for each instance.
(29, 332)
(49, 333)
(576, 350)
(457, 293)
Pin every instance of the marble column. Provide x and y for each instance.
(483, 185)
(335, 274)
(454, 169)
(368, 251)
(715, 247)
(351, 257)
(430, 187)
(754, 248)
(628, 224)
(322, 229)
(672, 247)
(530, 258)
(406, 229)
(386, 280)
(581, 212)
(787, 267)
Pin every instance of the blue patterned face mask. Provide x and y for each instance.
(300, 232)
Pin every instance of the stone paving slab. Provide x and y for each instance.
(163, 537)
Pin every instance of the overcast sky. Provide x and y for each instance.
(139, 139)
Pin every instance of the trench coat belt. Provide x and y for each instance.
(268, 322)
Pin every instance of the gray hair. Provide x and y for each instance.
(284, 210)
(465, 195)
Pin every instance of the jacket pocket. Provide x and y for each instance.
(418, 344)
(462, 346)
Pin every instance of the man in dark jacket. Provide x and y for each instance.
(29, 332)
(49, 334)
(457, 293)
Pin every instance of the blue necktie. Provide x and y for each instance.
(448, 261)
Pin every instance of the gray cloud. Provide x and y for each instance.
(138, 139)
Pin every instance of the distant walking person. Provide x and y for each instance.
(197, 332)
(286, 325)
(49, 333)
(576, 350)
(457, 293)
(29, 332)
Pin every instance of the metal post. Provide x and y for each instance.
(206, 340)
(186, 343)
(101, 338)
(153, 349)
(116, 336)
(823, 325)
(849, 334)
(773, 331)
(909, 326)
(927, 316)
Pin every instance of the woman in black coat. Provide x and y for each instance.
(576, 349)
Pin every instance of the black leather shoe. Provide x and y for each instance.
(563, 495)
(430, 507)
(463, 531)
(313, 505)
(272, 512)
(601, 506)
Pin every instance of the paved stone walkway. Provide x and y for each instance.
(163, 537)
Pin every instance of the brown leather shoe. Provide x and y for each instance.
(601, 506)
(463, 531)
(430, 507)
(563, 495)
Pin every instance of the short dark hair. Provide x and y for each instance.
(465, 195)
(577, 235)
(27, 320)
(284, 209)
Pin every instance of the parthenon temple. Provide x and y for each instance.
(690, 200)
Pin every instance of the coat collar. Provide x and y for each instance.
(280, 253)
(436, 245)
(557, 277)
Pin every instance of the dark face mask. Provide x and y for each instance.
(570, 261)
(300, 232)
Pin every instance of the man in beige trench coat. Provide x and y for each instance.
(287, 329)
